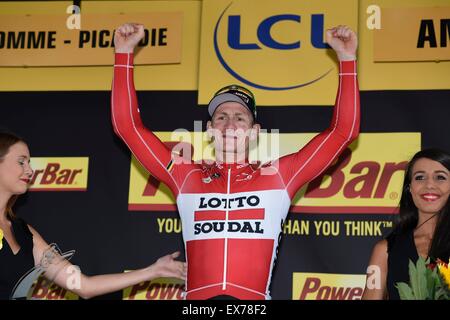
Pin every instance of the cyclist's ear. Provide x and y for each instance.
(209, 130)
(254, 132)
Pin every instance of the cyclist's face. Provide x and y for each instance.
(233, 116)
(231, 126)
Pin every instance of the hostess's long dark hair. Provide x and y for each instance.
(409, 216)
(8, 139)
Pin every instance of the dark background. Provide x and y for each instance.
(108, 238)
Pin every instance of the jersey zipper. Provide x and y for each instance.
(225, 258)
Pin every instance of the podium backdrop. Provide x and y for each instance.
(88, 194)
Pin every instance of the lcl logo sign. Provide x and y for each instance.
(266, 40)
(263, 33)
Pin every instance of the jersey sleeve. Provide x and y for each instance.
(309, 162)
(147, 148)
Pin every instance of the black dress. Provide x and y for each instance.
(401, 249)
(13, 267)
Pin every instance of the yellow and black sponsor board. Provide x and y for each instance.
(327, 286)
(362, 180)
(59, 173)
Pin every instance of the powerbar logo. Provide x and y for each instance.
(158, 289)
(327, 286)
(44, 289)
(59, 174)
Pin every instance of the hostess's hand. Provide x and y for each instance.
(168, 267)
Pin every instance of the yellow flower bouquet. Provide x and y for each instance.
(444, 272)
(428, 281)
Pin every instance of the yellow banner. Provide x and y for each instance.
(158, 289)
(327, 286)
(178, 76)
(401, 75)
(85, 39)
(275, 48)
(59, 174)
(364, 180)
(423, 34)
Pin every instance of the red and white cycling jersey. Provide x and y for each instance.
(232, 214)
